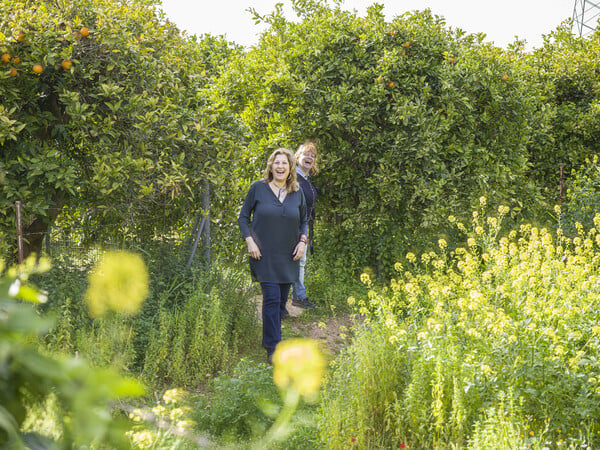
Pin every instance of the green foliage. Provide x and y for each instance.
(190, 312)
(240, 407)
(197, 338)
(583, 197)
(29, 377)
(414, 120)
(501, 321)
(168, 424)
(128, 132)
(329, 282)
(565, 71)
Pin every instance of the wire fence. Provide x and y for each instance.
(77, 237)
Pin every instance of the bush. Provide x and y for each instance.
(31, 380)
(243, 405)
(193, 340)
(583, 197)
(502, 319)
(414, 120)
(241, 408)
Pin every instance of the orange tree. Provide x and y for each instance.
(415, 121)
(567, 69)
(105, 105)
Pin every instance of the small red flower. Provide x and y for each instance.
(353, 439)
(402, 445)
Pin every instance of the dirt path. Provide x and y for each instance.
(333, 332)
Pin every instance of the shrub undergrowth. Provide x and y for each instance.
(497, 337)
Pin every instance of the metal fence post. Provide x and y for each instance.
(19, 233)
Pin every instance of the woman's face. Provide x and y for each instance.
(280, 168)
(306, 161)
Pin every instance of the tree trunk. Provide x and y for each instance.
(33, 234)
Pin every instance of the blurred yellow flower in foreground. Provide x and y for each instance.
(299, 364)
(119, 281)
(174, 395)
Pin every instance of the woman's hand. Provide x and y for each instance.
(299, 250)
(253, 250)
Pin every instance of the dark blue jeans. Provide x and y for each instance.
(274, 296)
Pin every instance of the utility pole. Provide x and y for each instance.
(585, 16)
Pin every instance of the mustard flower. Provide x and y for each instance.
(143, 439)
(486, 370)
(174, 395)
(365, 279)
(410, 257)
(442, 243)
(439, 264)
(398, 267)
(299, 365)
(479, 230)
(451, 219)
(119, 282)
(471, 242)
(482, 201)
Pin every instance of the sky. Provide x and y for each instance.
(501, 21)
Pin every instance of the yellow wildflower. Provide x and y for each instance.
(299, 364)
(118, 282)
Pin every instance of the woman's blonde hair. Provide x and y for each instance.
(291, 183)
(308, 146)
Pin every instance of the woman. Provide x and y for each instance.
(274, 224)
(306, 159)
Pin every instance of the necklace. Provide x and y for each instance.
(281, 191)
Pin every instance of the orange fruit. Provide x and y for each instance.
(6, 58)
(13, 72)
(37, 68)
(20, 36)
(16, 60)
(66, 64)
(391, 84)
(451, 60)
(504, 77)
(407, 44)
(84, 31)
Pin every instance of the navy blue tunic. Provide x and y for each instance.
(276, 228)
(310, 193)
